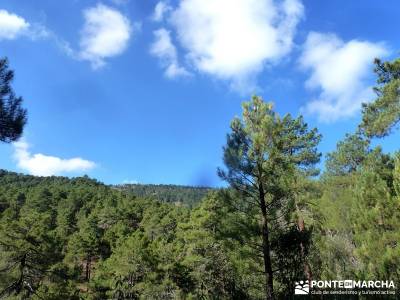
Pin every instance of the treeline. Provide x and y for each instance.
(80, 239)
(358, 209)
(276, 223)
(179, 195)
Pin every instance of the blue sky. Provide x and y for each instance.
(144, 91)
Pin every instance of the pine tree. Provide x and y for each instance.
(12, 115)
(84, 245)
(205, 238)
(348, 156)
(381, 115)
(376, 220)
(396, 175)
(28, 249)
(262, 157)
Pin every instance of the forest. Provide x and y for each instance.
(278, 220)
(179, 195)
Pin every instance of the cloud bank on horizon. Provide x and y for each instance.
(45, 165)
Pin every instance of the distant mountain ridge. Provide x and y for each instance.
(178, 194)
(188, 196)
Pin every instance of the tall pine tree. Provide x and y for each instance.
(263, 155)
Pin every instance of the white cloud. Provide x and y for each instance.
(105, 34)
(160, 10)
(11, 25)
(127, 181)
(233, 40)
(166, 51)
(339, 70)
(38, 31)
(44, 165)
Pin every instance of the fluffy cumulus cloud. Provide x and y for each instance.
(161, 9)
(44, 165)
(233, 40)
(339, 71)
(105, 34)
(164, 49)
(11, 25)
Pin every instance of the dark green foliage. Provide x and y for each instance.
(376, 216)
(381, 115)
(77, 238)
(12, 115)
(287, 247)
(80, 238)
(357, 216)
(349, 155)
(265, 157)
(180, 195)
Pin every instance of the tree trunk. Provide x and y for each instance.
(19, 284)
(307, 268)
(88, 263)
(269, 283)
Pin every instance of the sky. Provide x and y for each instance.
(134, 91)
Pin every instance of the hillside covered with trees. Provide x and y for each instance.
(177, 194)
(276, 222)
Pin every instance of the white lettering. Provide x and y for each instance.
(348, 284)
(313, 283)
